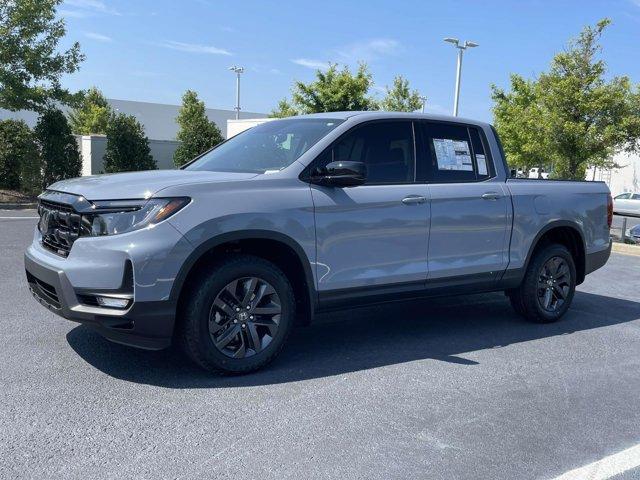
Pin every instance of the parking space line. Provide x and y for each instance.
(17, 218)
(606, 468)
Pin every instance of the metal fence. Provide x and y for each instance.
(619, 230)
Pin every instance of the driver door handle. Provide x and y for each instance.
(414, 199)
(491, 196)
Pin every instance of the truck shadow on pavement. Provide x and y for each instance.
(441, 329)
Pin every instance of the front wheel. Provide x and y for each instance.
(237, 315)
(548, 286)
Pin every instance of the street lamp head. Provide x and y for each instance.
(237, 69)
(470, 44)
(452, 40)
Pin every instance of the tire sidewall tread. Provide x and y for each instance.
(193, 334)
(524, 299)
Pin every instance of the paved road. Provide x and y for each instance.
(456, 388)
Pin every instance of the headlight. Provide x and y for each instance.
(112, 217)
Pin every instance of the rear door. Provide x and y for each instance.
(469, 208)
(373, 234)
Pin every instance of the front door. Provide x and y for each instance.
(374, 234)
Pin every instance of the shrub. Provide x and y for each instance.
(127, 146)
(19, 161)
(197, 134)
(92, 115)
(58, 147)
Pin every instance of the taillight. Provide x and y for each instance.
(609, 210)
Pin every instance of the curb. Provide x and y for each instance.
(18, 206)
(625, 248)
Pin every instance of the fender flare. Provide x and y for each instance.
(550, 226)
(213, 242)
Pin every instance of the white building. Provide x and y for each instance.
(235, 127)
(623, 179)
(159, 121)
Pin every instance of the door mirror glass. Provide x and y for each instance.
(341, 174)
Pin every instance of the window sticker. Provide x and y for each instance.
(453, 154)
(482, 164)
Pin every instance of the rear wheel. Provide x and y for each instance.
(548, 286)
(237, 315)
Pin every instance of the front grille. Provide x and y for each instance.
(60, 226)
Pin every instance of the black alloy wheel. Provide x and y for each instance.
(244, 317)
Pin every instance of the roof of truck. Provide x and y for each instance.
(373, 115)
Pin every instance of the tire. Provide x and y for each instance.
(548, 287)
(215, 310)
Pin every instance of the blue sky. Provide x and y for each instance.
(154, 50)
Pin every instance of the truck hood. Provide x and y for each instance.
(140, 184)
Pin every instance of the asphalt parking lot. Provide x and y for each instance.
(455, 388)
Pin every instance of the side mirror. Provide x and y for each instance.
(514, 173)
(341, 174)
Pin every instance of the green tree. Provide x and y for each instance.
(333, 90)
(284, 109)
(127, 146)
(19, 159)
(30, 64)
(58, 147)
(91, 115)
(400, 98)
(197, 133)
(572, 114)
(518, 118)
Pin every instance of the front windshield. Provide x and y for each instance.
(270, 146)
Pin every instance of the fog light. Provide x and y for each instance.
(112, 302)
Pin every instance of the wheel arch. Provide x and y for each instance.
(565, 233)
(276, 247)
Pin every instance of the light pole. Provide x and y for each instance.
(238, 71)
(424, 101)
(461, 49)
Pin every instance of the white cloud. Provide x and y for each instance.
(94, 6)
(98, 36)
(194, 48)
(309, 63)
(368, 50)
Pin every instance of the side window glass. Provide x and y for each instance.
(484, 164)
(635, 196)
(449, 153)
(385, 147)
(622, 196)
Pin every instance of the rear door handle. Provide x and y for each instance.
(491, 196)
(414, 199)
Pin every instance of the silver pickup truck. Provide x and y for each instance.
(309, 214)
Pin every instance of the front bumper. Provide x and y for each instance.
(145, 324)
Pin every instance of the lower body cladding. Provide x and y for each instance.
(143, 324)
